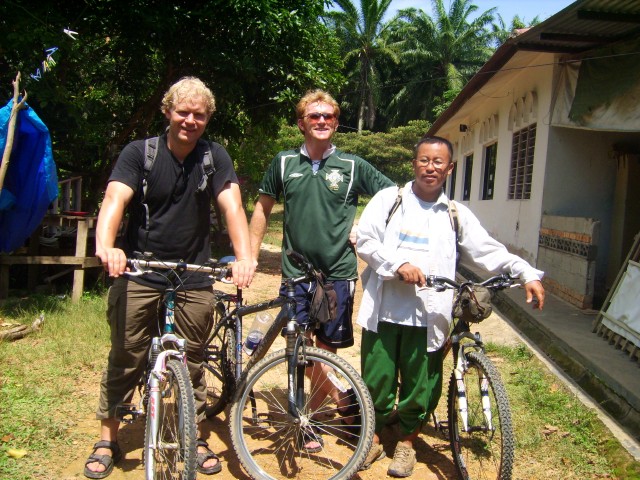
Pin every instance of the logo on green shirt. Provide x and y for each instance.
(334, 178)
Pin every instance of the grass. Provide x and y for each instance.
(41, 378)
(554, 430)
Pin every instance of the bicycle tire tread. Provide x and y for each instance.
(187, 415)
(480, 361)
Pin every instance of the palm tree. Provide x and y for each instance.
(502, 33)
(439, 55)
(362, 34)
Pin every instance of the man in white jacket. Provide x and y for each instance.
(404, 327)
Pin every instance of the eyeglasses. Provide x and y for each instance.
(437, 163)
(315, 116)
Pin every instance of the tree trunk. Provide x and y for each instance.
(17, 106)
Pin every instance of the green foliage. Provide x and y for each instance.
(106, 86)
(257, 56)
(364, 46)
(439, 54)
(391, 152)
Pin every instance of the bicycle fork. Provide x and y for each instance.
(295, 370)
(158, 378)
(459, 371)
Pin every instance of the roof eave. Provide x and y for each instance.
(501, 56)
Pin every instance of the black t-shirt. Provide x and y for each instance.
(179, 216)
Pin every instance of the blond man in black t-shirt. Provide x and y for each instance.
(177, 227)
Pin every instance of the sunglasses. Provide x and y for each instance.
(317, 115)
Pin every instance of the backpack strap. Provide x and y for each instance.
(455, 224)
(207, 168)
(150, 154)
(395, 206)
(453, 217)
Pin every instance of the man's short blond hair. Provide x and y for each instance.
(188, 87)
(315, 96)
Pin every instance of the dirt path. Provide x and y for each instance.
(434, 458)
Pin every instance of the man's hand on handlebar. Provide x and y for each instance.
(243, 271)
(114, 261)
(411, 274)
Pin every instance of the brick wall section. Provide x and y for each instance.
(566, 253)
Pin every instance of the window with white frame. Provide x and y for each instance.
(521, 170)
(489, 171)
(452, 181)
(468, 169)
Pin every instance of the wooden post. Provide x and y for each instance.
(81, 250)
(17, 106)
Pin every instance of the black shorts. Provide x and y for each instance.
(339, 333)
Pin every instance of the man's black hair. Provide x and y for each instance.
(433, 139)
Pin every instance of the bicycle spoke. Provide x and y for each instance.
(274, 446)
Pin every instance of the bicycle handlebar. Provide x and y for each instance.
(495, 283)
(141, 266)
(304, 264)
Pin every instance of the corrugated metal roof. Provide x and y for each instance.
(583, 26)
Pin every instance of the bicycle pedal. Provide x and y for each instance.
(443, 427)
(128, 412)
(262, 418)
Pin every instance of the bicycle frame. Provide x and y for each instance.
(285, 321)
(274, 401)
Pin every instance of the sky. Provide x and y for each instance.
(525, 9)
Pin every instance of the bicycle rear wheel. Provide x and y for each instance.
(485, 450)
(269, 443)
(219, 365)
(172, 453)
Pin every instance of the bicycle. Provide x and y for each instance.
(478, 424)
(272, 416)
(166, 393)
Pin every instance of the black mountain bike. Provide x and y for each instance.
(276, 409)
(478, 424)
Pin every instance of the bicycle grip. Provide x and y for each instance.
(296, 257)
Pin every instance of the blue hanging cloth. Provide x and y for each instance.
(31, 182)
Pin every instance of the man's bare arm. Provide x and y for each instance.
(230, 204)
(116, 199)
(259, 222)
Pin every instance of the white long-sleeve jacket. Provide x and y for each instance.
(378, 245)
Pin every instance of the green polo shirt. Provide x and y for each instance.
(319, 208)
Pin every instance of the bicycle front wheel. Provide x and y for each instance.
(219, 365)
(171, 454)
(482, 443)
(270, 443)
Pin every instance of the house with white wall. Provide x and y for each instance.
(547, 145)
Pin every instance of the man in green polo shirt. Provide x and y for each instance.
(319, 186)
